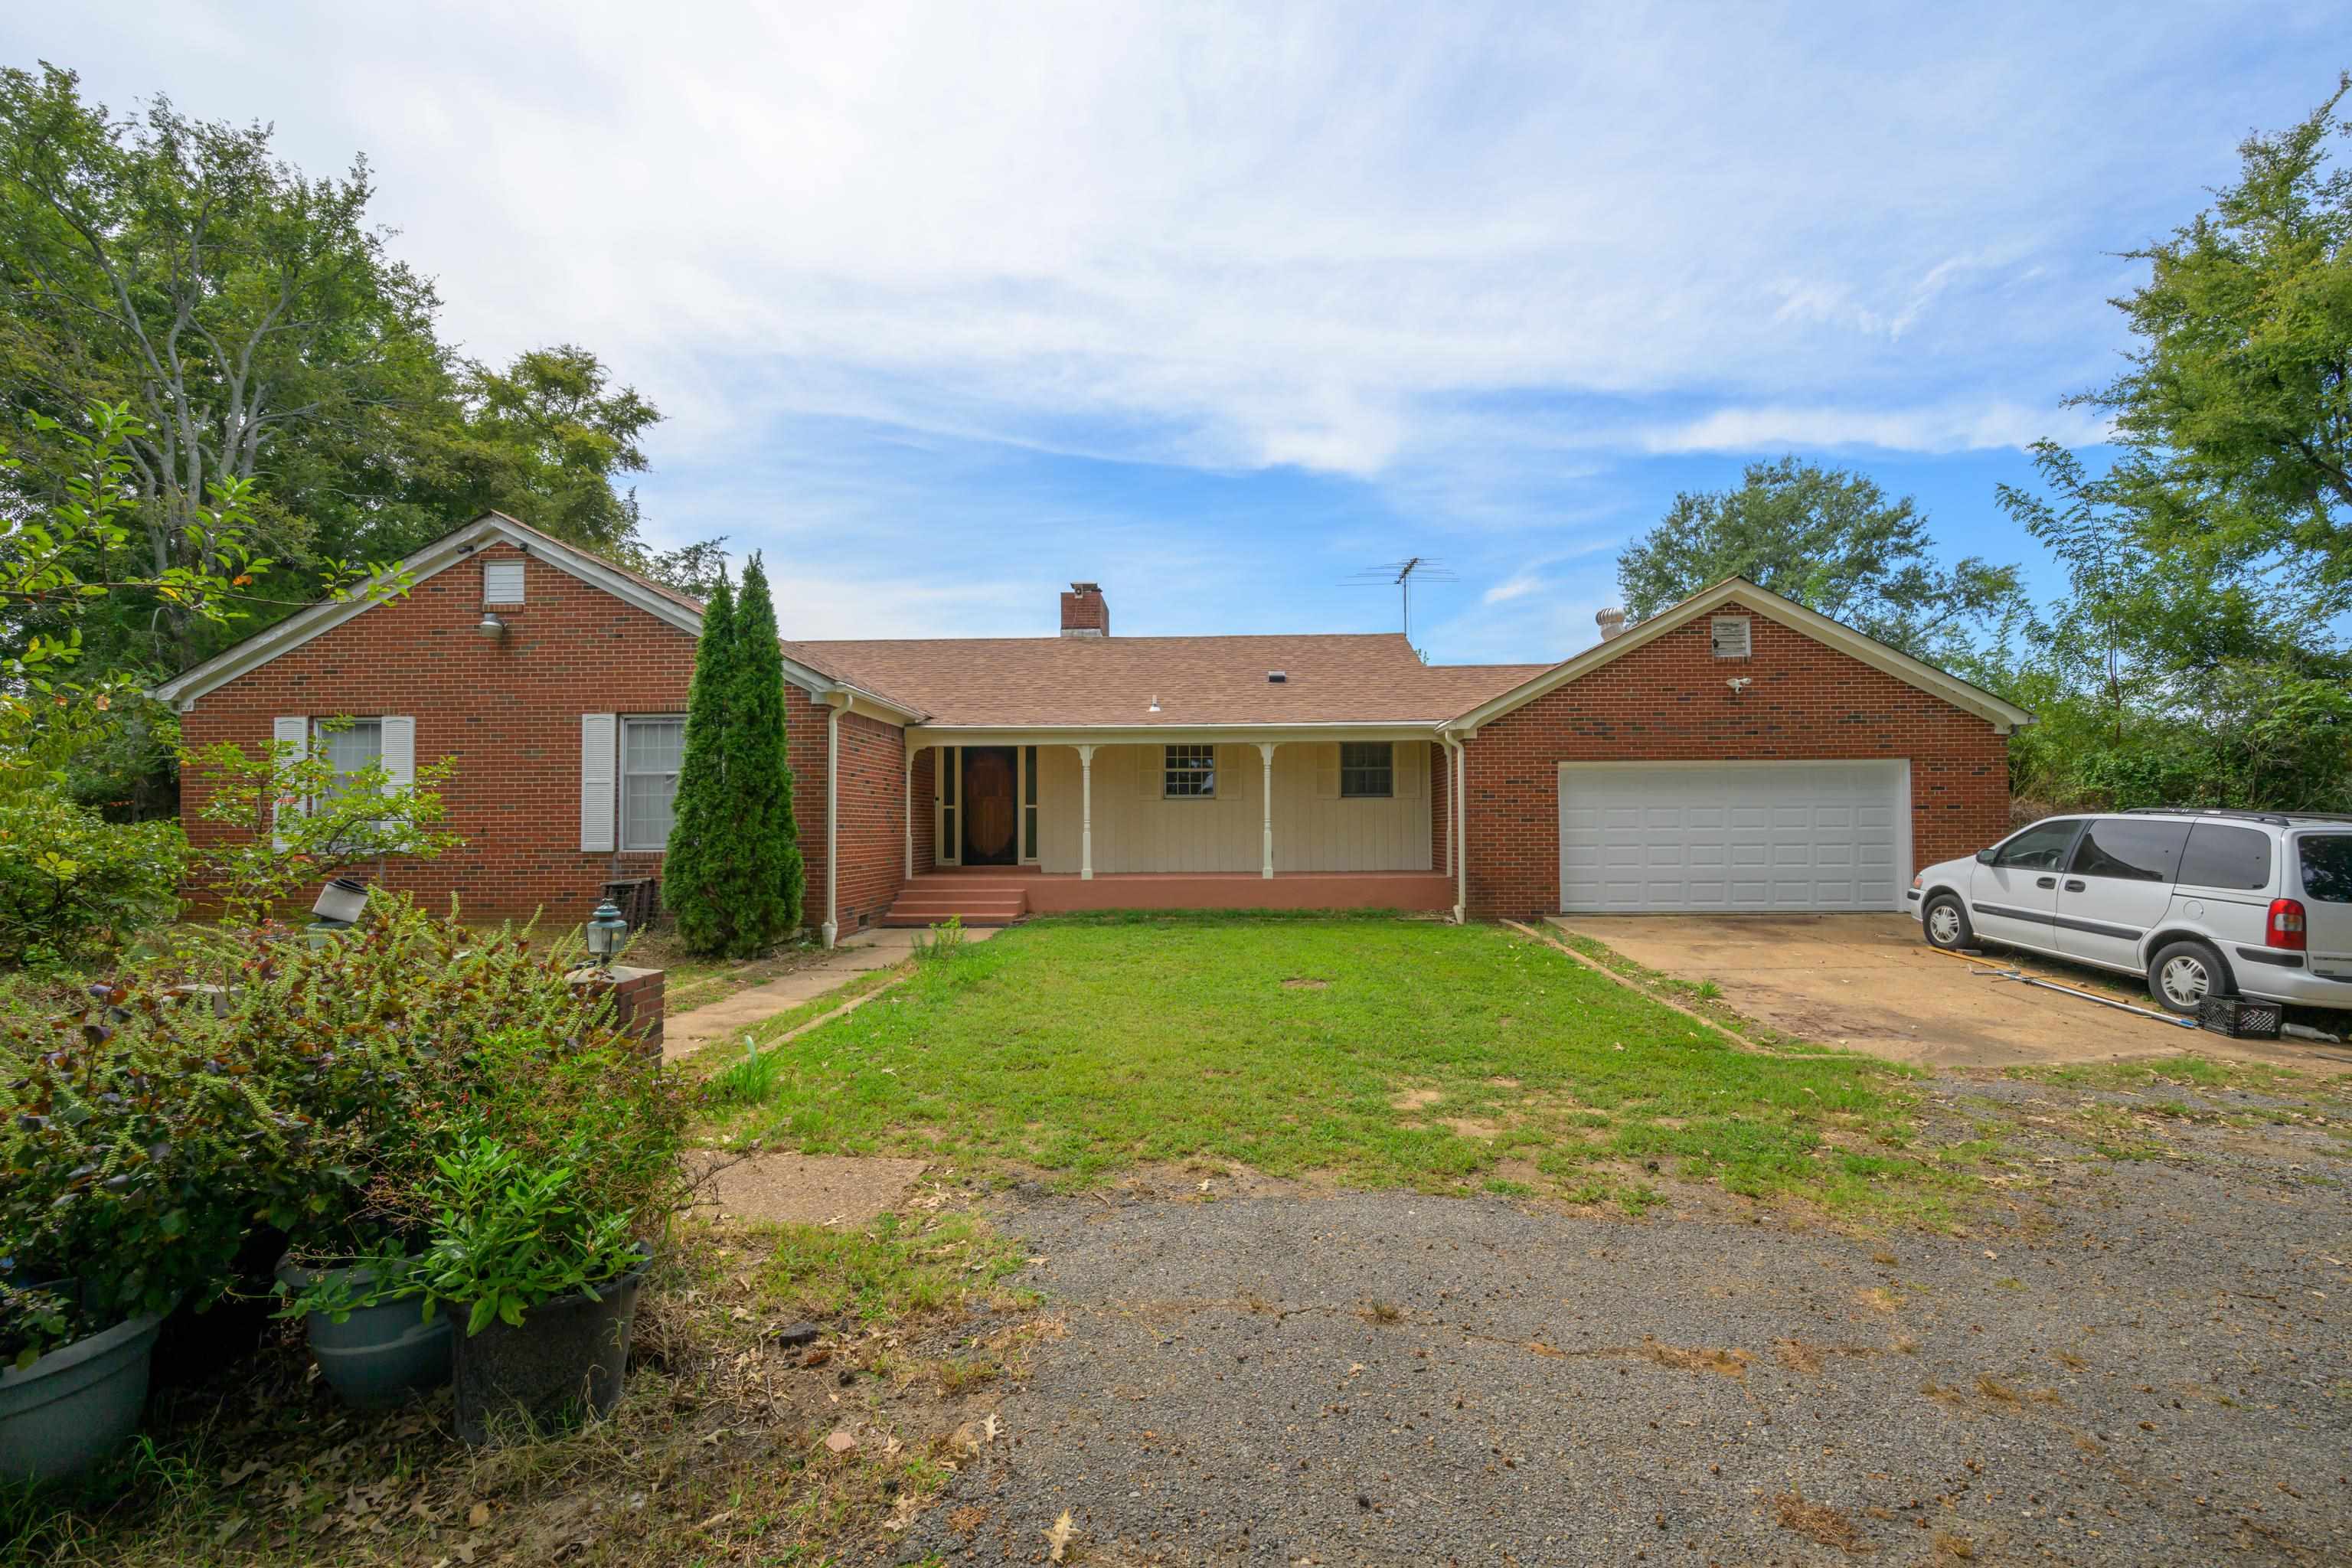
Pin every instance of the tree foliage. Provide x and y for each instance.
(759, 767)
(2236, 411)
(696, 884)
(733, 876)
(1830, 540)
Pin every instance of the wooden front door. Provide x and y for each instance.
(991, 811)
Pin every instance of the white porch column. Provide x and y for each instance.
(1265, 750)
(1085, 814)
(907, 805)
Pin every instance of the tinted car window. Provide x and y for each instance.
(2327, 868)
(2135, 851)
(2041, 847)
(2220, 857)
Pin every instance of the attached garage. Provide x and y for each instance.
(1638, 838)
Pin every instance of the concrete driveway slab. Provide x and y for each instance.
(1868, 982)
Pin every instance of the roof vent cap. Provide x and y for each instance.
(1277, 677)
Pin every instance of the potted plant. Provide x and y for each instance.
(69, 1392)
(546, 1280)
(130, 1134)
(371, 1324)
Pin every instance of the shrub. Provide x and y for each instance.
(75, 888)
(140, 1140)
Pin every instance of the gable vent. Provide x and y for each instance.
(1729, 637)
(1277, 677)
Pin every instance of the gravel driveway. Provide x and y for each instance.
(2127, 1362)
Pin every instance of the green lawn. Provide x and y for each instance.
(1378, 1051)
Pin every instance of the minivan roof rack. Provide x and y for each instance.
(2276, 818)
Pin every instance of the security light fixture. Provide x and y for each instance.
(607, 934)
(490, 626)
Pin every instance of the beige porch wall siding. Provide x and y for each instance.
(1136, 830)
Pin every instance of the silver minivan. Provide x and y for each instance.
(2226, 903)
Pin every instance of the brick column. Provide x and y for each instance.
(638, 996)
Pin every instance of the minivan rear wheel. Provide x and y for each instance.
(2183, 974)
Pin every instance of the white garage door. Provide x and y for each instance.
(1734, 836)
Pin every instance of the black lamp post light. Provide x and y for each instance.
(607, 934)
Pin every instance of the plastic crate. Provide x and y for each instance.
(2240, 1018)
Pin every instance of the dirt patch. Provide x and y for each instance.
(1301, 982)
(1818, 1522)
(801, 1189)
(1799, 1357)
(1415, 1099)
(1724, 1363)
(1469, 1127)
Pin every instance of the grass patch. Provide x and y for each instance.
(1428, 1054)
(2196, 1072)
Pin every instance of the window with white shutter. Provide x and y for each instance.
(501, 581)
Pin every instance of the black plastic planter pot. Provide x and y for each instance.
(73, 1406)
(377, 1355)
(567, 1359)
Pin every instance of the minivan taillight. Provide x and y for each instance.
(2285, 928)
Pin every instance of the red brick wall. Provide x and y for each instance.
(509, 712)
(1667, 701)
(873, 818)
(926, 820)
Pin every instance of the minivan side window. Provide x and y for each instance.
(2039, 848)
(2134, 851)
(2327, 866)
(2220, 857)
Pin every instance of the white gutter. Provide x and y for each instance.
(832, 927)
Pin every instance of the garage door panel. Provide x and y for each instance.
(1731, 836)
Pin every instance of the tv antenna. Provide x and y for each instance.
(1401, 576)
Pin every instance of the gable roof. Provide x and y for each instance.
(2002, 713)
(662, 602)
(1047, 682)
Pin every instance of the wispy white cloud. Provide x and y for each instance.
(1471, 267)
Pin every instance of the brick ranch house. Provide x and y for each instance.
(1736, 753)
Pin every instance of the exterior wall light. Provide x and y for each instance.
(490, 625)
(606, 933)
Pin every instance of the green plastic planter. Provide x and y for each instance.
(377, 1355)
(568, 1359)
(71, 1408)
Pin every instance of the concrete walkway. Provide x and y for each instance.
(688, 1032)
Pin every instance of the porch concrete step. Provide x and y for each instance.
(976, 901)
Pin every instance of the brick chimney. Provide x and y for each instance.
(1084, 613)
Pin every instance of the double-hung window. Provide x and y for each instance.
(1367, 770)
(350, 745)
(1190, 773)
(650, 749)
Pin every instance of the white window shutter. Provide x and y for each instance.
(399, 749)
(1234, 781)
(1409, 767)
(1150, 771)
(599, 740)
(1327, 771)
(294, 730)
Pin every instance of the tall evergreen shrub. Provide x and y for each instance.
(696, 881)
(767, 867)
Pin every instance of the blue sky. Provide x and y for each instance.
(950, 305)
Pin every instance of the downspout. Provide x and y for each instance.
(1461, 839)
(832, 927)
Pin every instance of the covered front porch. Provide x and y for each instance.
(1030, 822)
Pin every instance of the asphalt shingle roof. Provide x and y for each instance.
(1010, 683)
